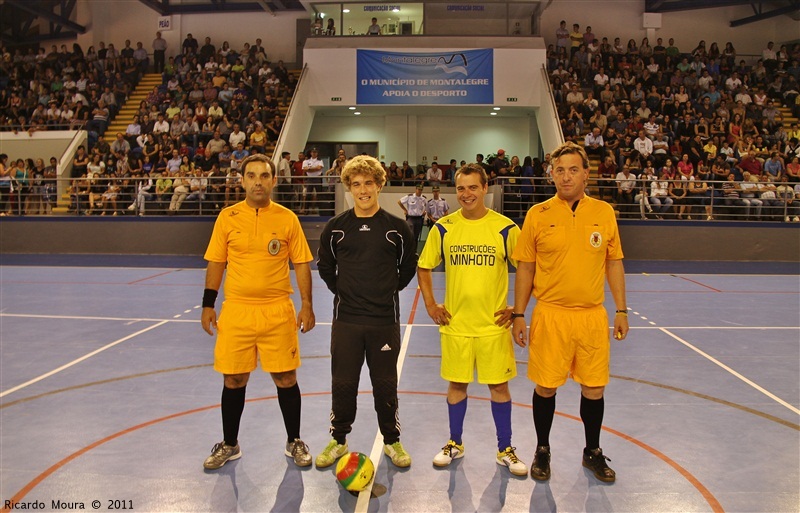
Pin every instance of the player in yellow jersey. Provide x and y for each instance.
(568, 246)
(475, 244)
(255, 239)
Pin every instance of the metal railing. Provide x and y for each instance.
(175, 195)
(669, 199)
(316, 196)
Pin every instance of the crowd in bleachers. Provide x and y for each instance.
(59, 89)
(213, 107)
(668, 128)
(675, 130)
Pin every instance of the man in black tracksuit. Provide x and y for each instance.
(366, 256)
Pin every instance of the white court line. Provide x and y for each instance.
(79, 360)
(92, 318)
(749, 382)
(377, 446)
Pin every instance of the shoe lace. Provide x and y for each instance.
(600, 459)
(219, 450)
(511, 454)
(448, 449)
(299, 448)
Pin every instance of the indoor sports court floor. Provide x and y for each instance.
(107, 394)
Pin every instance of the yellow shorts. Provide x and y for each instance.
(249, 331)
(493, 356)
(568, 341)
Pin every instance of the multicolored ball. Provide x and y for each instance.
(355, 471)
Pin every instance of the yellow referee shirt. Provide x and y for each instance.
(475, 254)
(570, 249)
(257, 244)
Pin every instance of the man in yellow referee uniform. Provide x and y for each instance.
(256, 238)
(475, 244)
(568, 246)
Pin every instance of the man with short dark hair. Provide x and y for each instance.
(284, 191)
(475, 244)
(159, 50)
(414, 207)
(258, 311)
(312, 170)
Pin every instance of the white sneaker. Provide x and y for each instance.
(132, 206)
(508, 458)
(786, 219)
(451, 451)
(796, 219)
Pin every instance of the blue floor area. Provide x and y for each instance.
(107, 392)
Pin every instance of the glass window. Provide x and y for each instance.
(390, 18)
(327, 20)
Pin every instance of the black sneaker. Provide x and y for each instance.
(540, 470)
(595, 461)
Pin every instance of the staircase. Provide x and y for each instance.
(131, 106)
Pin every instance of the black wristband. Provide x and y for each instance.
(517, 315)
(209, 298)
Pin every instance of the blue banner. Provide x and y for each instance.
(443, 78)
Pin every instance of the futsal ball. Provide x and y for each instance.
(354, 471)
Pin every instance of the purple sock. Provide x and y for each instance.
(502, 423)
(456, 413)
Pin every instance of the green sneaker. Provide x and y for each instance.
(397, 454)
(221, 454)
(331, 453)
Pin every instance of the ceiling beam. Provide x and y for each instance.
(211, 8)
(688, 5)
(156, 6)
(787, 9)
(48, 15)
(266, 7)
(653, 5)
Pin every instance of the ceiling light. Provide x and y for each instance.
(346, 11)
(396, 9)
(322, 15)
(357, 113)
(351, 108)
(493, 113)
(495, 108)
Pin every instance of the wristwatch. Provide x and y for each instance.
(517, 315)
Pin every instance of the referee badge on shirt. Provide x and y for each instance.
(274, 247)
(595, 239)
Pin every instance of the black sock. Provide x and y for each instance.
(289, 401)
(232, 408)
(592, 417)
(543, 410)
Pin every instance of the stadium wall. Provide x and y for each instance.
(642, 240)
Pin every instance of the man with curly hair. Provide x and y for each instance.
(366, 257)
